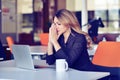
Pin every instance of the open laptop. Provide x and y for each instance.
(23, 57)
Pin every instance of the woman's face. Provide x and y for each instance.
(61, 29)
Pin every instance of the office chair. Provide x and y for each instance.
(10, 42)
(26, 38)
(107, 54)
(107, 58)
(44, 38)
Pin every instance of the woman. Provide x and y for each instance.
(68, 41)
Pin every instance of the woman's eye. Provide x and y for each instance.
(59, 24)
(56, 23)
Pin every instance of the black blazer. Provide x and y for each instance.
(74, 51)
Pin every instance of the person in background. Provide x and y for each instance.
(2, 52)
(93, 26)
(68, 41)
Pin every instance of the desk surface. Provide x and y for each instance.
(9, 71)
(38, 50)
(41, 50)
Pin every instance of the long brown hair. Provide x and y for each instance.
(69, 19)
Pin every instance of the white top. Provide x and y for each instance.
(9, 71)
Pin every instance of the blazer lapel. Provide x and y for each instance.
(71, 40)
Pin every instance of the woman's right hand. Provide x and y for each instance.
(53, 35)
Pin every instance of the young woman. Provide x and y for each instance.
(68, 41)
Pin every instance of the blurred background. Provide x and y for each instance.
(31, 17)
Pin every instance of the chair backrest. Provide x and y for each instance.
(26, 38)
(107, 54)
(44, 38)
(10, 42)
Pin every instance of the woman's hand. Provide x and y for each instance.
(53, 35)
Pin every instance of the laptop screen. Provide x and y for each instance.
(22, 56)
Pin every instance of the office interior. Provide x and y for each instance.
(23, 20)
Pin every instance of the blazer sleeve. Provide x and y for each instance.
(50, 59)
(76, 49)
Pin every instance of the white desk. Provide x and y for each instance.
(9, 71)
(41, 50)
(38, 50)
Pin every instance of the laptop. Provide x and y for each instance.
(23, 58)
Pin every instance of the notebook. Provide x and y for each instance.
(23, 57)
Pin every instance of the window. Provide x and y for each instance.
(108, 10)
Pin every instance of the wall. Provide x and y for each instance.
(76, 5)
(61, 4)
(8, 19)
(8, 16)
(70, 5)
